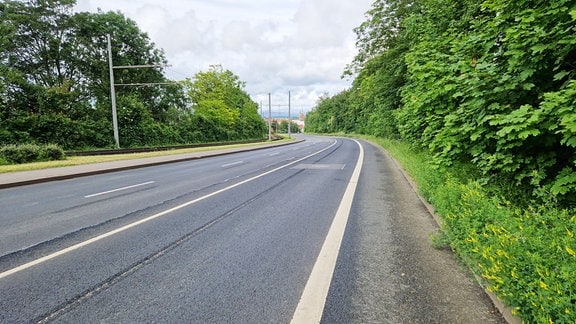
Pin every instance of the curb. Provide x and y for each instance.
(55, 174)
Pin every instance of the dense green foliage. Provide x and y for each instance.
(55, 88)
(484, 82)
(222, 109)
(16, 154)
(485, 90)
(283, 127)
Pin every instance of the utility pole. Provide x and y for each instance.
(289, 117)
(269, 117)
(113, 86)
(113, 94)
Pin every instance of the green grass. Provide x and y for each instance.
(81, 160)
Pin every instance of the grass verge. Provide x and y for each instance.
(81, 160)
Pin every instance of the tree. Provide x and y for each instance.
(54, 84)
(502, 97)
(283, 127)
(383, 30)
(218, 95)
(54, 65)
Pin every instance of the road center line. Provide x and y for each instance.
(313, 299)
(149, 218)
(119, 189)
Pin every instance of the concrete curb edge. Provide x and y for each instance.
(131, 166)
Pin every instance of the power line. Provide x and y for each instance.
(144, 84)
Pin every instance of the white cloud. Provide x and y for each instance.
(274, 46)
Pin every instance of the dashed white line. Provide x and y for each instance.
(119, 189)
(232, 164)
(147, 219)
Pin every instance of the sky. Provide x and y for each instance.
(275, 46)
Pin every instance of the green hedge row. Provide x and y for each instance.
(25, 153)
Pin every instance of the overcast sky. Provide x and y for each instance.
(275, 46)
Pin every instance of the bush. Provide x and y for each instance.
(19, 153)
(52, 152)
(25, 153)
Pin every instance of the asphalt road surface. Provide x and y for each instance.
(324, 230)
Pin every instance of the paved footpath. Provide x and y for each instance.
(14, 179)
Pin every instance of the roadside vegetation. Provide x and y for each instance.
(525, 254)
(476, 99)
(17, 154)
(89, 159)
(55, 85)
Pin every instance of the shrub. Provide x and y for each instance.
(19, 153)
(25, 153)
(52, 152)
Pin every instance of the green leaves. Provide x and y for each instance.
(573, 13)
(503, 106)
(54, 84)
(219, 97)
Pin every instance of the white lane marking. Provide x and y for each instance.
(313, 299)
(147, 219)
(232, 164)
(274, 154)
(119, 189)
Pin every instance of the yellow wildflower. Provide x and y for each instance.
(570, 251)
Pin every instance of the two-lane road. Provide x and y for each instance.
(232, 239)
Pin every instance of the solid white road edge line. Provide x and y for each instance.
(119, 189)
(313, 299)
(147, 219)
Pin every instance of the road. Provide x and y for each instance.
(327, 229)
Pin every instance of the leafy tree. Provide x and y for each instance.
(130, 46)
(330, 115)
(383, 30)
(283, 127)
(488, 83)
(40, 42)
(54, 84)
(381, 73)
(218, 95)
(54, 65)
